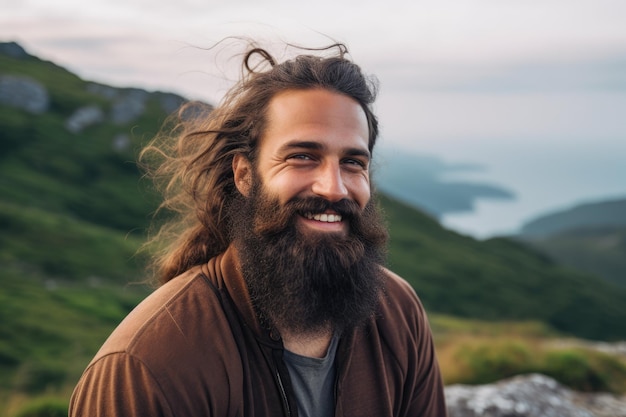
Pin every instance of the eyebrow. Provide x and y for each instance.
(305, 144)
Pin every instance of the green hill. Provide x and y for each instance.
(88, 173)
(74, 209)
(590, 237)
(593, 249)
(499, 279)
(598, 214)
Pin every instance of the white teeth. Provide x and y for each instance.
(327, 218)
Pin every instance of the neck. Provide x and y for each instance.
(312, 345)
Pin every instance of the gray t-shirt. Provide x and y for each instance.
(313, 381)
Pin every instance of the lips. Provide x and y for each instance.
(323, 217)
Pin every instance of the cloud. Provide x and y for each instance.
(467, 67)
(605, 72)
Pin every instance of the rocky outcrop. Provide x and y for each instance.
(129, 106)
(13, 50)
(102, 90)
(124, 105)
(170, 102)
(121, 142)
(84, 117)
(24, 93)
(530, 396)
(602, 405)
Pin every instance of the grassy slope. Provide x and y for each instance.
(50, 331)
(595, 214)
(597, 250)
(71, 208)
(43, 165)
(62, 247)
(499, 279)
(65, 285)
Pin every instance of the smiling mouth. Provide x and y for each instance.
(323, 217)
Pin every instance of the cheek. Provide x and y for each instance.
(285, 187)
(361, 191)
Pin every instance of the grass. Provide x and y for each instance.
(55, 328)
(66, 284)
(46, 406)
(68, 248)
(475, 352)
(598, 250)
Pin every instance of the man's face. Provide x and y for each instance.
(310, 240)
(315, 145)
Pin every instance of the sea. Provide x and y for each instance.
(545, 177)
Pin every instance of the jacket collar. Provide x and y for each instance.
(225, 272)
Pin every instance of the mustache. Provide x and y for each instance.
(281, 216)
(346, 208)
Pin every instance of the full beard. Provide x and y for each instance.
(306, 282)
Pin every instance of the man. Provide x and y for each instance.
(274, 301)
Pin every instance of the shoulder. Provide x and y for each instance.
(158, 354)
(399, 296)
(123, 377)
(163, 315)
(401, 316)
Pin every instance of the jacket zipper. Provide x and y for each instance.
(283, 394)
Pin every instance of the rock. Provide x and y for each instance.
(102, 90)
(602, 405)
(195, 110)
(128, 107)
(121, 142)
(13, 50)
(84, 117)
(24, 93)
(170, 102)
(531, 395)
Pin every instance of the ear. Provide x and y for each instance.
(242, 174)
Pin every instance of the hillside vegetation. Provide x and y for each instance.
(590, 237)
(499, 279)
(599, 214)
(74, 210)
(596, 250)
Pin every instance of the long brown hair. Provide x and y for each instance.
(192, 162)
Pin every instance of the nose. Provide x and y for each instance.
(329, 183)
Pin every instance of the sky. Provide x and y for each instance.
(533, 90)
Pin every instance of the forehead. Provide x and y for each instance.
(318, 115)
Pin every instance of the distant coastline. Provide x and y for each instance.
(539, 179)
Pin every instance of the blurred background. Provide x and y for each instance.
(532, 92)
(501, 163)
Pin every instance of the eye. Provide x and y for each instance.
(304, 159)
(300, 156)
(355, 162)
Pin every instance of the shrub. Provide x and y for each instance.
(585, 370)
(44, 407)
(488, 362)
(490, 359)
(36, 377)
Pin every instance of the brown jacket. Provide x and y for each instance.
(195, 348)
